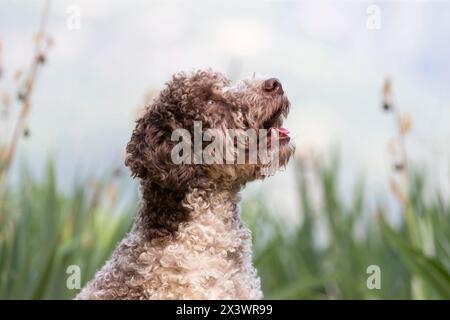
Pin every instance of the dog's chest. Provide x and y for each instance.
(210, 258)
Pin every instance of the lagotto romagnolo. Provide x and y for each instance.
(188, 240)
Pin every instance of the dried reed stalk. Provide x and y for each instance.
(42, 43)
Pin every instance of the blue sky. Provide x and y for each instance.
(331, 65)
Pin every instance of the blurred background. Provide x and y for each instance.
(370, 182)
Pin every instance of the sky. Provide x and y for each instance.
(329, 57)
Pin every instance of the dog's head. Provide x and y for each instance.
(199, 117)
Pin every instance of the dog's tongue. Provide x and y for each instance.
(282, 132)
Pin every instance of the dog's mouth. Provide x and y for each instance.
(274, 124)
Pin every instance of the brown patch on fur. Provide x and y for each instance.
(161, 211)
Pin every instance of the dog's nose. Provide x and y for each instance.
(273, 85)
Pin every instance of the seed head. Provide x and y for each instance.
(40, 58)
(6, 100)
(17, 74)
(21, 95)
(50, 41)
(387, 94)
(405, 123)
(37, 37)
(26, 132)
(399, 166)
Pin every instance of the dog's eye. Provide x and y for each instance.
(210, 102)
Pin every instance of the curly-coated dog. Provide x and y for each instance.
(188, 240)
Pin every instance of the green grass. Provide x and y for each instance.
(293, 267)
(44, 230)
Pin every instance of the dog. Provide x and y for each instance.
(188, 240)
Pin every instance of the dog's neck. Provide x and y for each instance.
(163, 210)
(219, 205)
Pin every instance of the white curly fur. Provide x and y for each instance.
(210, 258)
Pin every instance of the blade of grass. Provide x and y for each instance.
(429, 269)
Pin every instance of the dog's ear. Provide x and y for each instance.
(149, 150)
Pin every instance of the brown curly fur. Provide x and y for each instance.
(188, 240)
